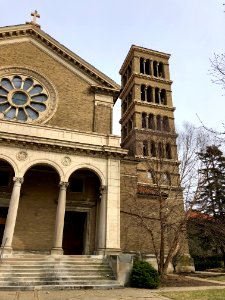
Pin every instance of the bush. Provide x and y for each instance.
(210, 262)
(143, 275)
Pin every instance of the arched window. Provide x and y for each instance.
(144, 120)
(160, 150)
(153, 149)
(124, 132)
(142, 65)
(161, 70)
(145, 148)
(129, 98)
(130, 125)
(166, 126)
(166, 179)
(124, 106)
(159, 122)
(151, 175)
(143, 94)
(157, 96)
(163, 97)
(124, 79)
(151, 121)
(129, 68)
(155, 68)
(168, 151)
(149, 94)
(147, 67)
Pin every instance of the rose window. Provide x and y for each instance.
(22, 98)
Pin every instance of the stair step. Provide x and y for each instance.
(29, 272)
(78, 286)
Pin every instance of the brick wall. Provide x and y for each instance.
(76, 100)
(35, 222)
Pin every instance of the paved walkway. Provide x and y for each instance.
(117, 294)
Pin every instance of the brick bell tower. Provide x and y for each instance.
(147, 119)
(148, 132)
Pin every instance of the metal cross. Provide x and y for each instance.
(35, 15)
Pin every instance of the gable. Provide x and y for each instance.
(14, 34)
(79, 100)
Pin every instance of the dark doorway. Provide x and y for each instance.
(3, 216)
(73, 233)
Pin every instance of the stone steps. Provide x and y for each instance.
(29, 272)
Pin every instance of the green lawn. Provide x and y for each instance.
(196, 295)
(217, 278)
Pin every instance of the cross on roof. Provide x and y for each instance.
(35, 15)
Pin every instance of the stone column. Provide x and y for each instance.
(12, 214)
(153, 95)
(159, 95)
(157, 70)
(59, 223)
(102, 221)
(146, 95)
(151, 67)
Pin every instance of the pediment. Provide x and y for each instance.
(98, 80)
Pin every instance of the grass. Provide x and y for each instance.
(196, 295)
(217, 278)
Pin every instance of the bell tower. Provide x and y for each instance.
(147, 120)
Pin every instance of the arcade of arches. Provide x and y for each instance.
(48, 216)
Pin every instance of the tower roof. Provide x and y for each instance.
(139, 49)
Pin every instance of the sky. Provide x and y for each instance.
(102, 32)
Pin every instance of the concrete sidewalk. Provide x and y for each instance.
(115, 294)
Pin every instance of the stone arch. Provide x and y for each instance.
(89, 167)
(12, 164)
(39, 194)
(44, 162)
(84, 215)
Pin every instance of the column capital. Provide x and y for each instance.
(18, 179)
(63, 184)
(103, 189)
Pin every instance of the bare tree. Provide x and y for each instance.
(218, 69)
(158, 212)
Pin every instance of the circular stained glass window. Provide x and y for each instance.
(22, 98)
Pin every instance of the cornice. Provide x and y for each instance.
(131, 108)
(39, 35)
(132, 135)
(141, 50)
(158, 133)
(54, 139)
(150, 78)
(65, 148)
(105, 90)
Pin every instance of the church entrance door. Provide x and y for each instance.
(74, 232)
(3, 216)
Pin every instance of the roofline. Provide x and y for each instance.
(143, 50)
(29, 29)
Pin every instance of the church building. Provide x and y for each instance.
(68, 186)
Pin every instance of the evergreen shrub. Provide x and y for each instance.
(143, 275)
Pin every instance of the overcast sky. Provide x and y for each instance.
(102, 32)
